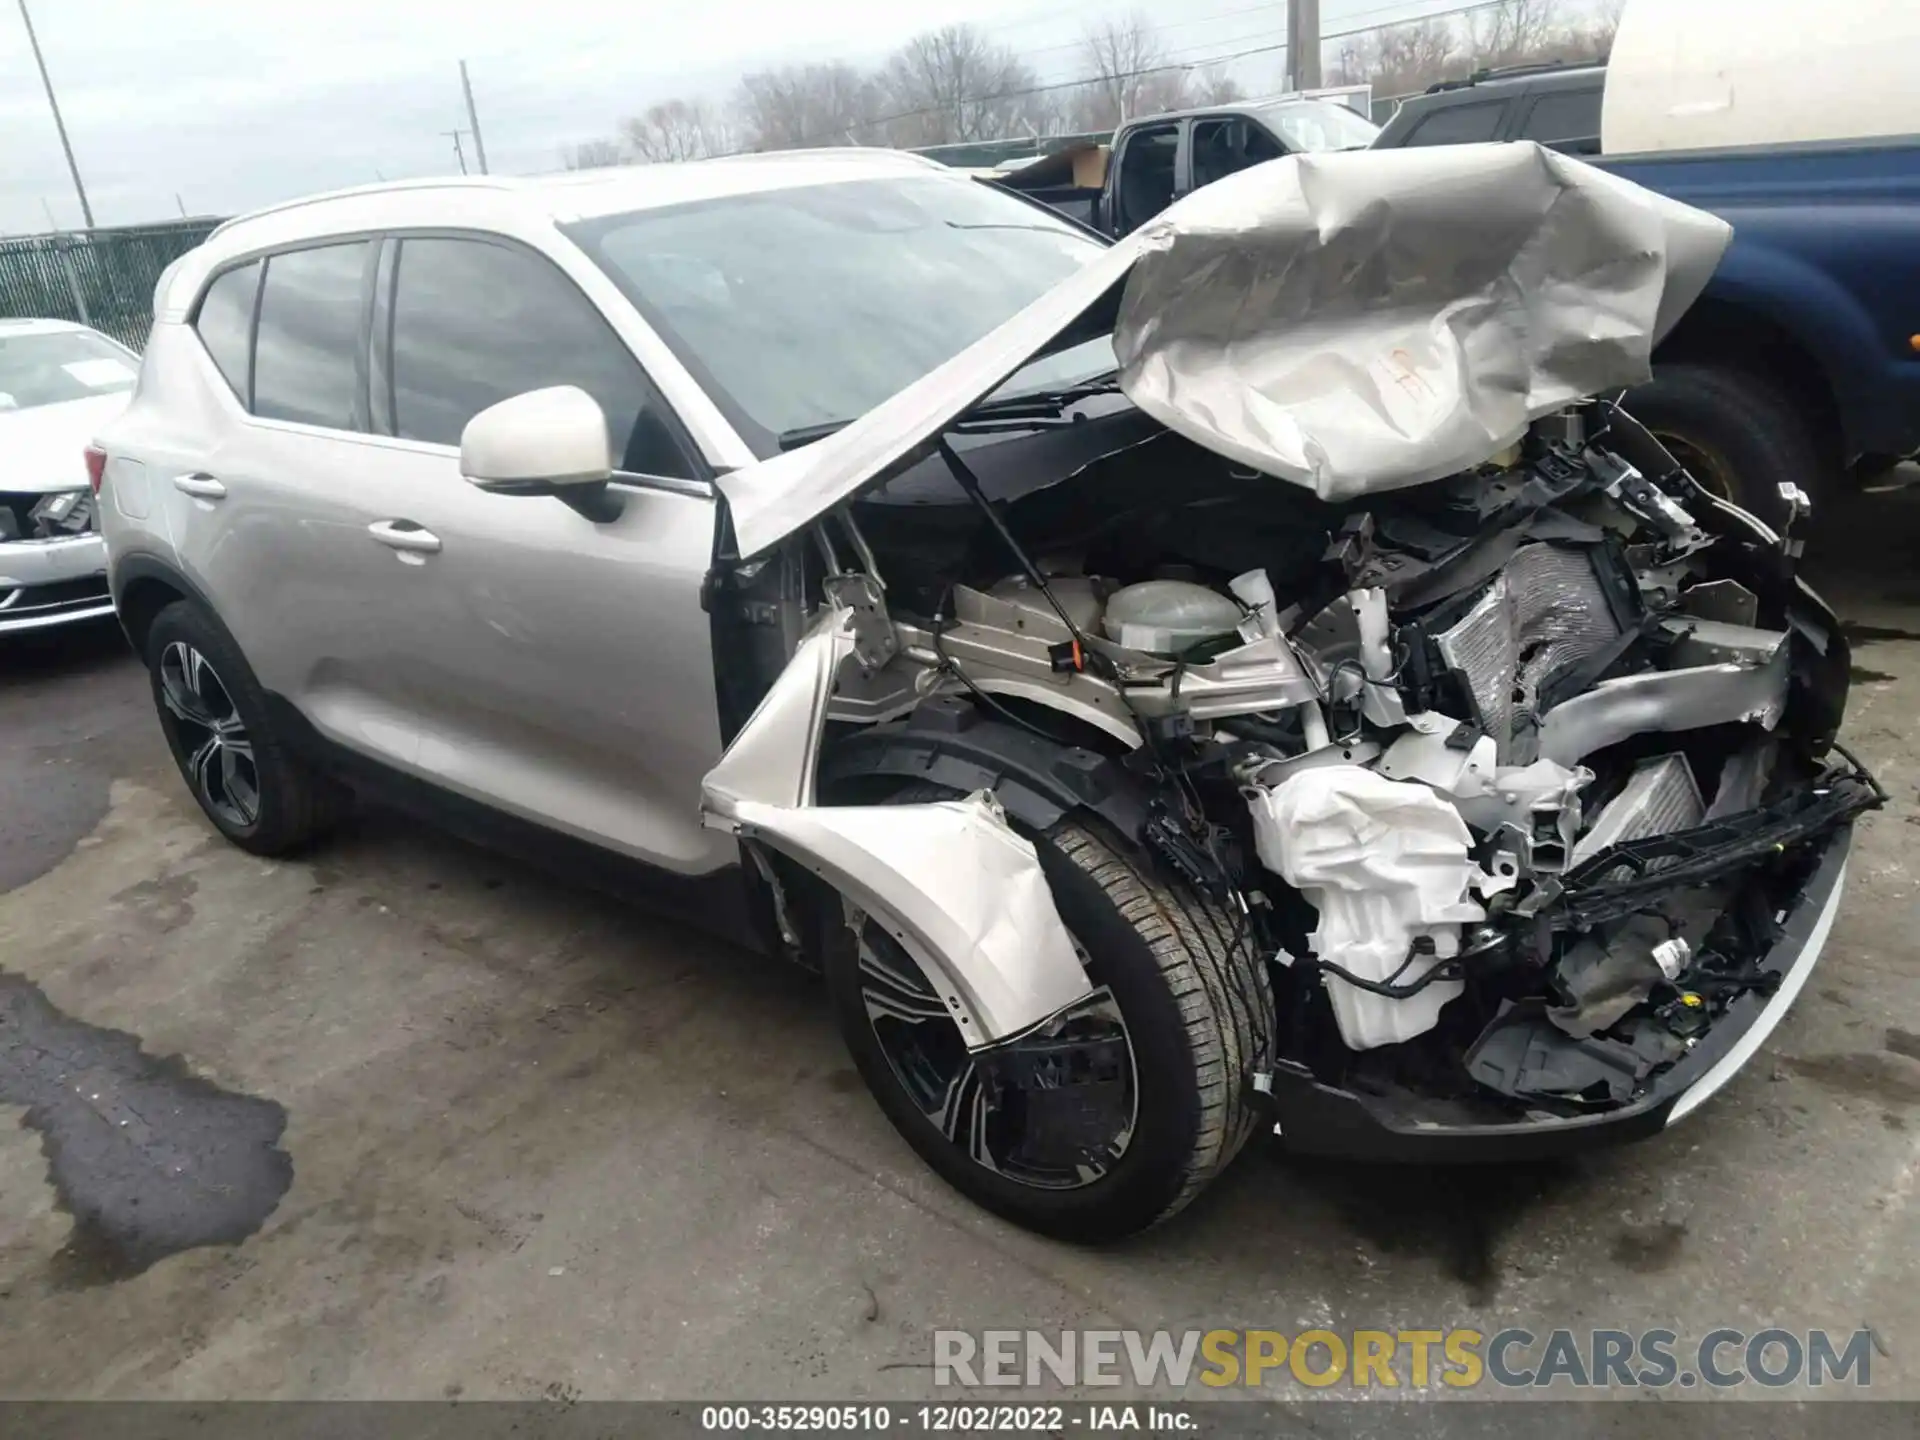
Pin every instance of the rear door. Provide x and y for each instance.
(270, 516)
(557, 668)
(1565, 119)
(1145, 176)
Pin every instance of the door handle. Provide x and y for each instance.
(405, 535)
(200, 485)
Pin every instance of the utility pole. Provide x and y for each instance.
(458, 153)
(473, 120)
(86, 210)
(1303, 44)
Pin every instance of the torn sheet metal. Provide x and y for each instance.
(1352, 322)
(1665, 701)
(951, 881)
(1360, 321)
(1385, 864)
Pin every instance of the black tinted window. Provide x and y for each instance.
(226, 320)
(1570, 119)
(304, 357)
(1459, 124)
(476, 323)
(1146, 175)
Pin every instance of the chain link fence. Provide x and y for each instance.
(102, 278)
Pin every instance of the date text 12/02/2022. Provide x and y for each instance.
(961, 1419)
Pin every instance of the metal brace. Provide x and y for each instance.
(874, 640)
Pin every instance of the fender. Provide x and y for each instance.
(953, 882)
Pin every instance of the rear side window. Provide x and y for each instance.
(1569, 119)
(475, 323)
(306, 354)
(1459, 124)
(225, 323)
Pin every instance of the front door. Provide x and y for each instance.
(561, 668)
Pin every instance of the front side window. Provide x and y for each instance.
(1221, 147)
(49, 367)
(225, 323)
(812, 304)
(475, 323)
(305, 354)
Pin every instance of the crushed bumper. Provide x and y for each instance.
(53, 582)
(1315, 1118)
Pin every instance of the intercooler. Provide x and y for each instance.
(1548, 609)
(1660, 797)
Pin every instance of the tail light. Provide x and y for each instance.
(96, 467)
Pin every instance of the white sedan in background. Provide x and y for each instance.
(59, 384)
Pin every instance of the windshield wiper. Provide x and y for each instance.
(1035, 406)
(806, 434)
(1007, 412)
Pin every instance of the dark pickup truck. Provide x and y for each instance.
(1803, 356)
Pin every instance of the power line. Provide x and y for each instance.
(1155, 69)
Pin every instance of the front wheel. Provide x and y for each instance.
(1146, 1098)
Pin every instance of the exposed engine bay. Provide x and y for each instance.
(1506, 750)
(1510, 776)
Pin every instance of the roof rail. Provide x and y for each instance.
(383, 187)
(1509, 72)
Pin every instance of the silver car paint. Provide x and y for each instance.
(550, 667)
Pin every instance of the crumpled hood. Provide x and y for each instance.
(1351, 322)
(43, 449)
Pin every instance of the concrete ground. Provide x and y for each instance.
(544, 1145)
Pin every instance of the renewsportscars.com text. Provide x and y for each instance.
(1392, 1359)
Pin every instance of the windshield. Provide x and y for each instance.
(1313, 125)
(55, 365)
(809, 306)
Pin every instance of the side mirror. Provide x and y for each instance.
(543, 442)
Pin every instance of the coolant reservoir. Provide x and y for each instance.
(1165, 617)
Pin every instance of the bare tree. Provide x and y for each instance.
(1122, 56)
(1513, 32)
(956, 84)
(593, 155)
(1213, 86)
(677, 130)
(801, 105)
(1398, 60)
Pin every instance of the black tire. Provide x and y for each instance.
(290, 804)
(1739, 434)
(1198, 1011)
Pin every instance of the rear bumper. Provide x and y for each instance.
(53, 582)
(1321, 1119)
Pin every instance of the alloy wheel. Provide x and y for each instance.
(1019, 1133)
(216, 753)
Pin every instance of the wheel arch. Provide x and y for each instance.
(951, 742)
(1719, 332)
(144, 586)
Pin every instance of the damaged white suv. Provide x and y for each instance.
(1249, 676)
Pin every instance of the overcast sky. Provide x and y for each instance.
(230, 104)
